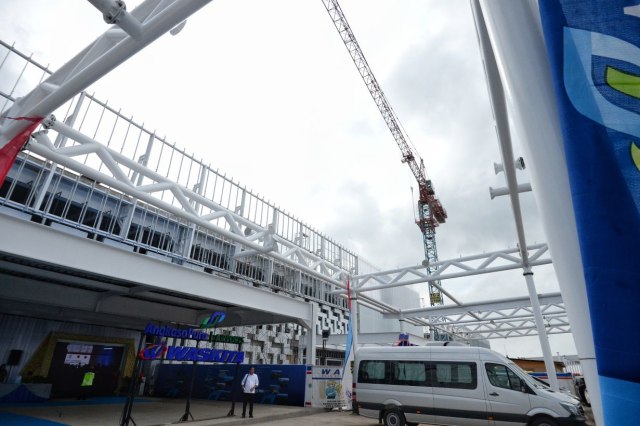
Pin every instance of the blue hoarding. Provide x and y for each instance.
(279, 384)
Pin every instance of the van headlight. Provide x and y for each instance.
(573, 409)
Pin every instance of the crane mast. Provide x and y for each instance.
(430, 210)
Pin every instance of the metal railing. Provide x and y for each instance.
(49, 192)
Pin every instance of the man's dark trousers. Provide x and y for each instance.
(247, 397)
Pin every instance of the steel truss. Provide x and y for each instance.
(264, 241)
(251, 238)
(496, 261)
(511, 317)
(256, 227)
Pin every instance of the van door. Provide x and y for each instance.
(411, 387)
(507, 395)
(458, 395)
(392, 386)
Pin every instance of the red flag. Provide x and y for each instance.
(348, 295)
(10, 150)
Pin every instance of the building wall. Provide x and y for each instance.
(26, 334)
(536, 366)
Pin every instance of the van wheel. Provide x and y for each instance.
(543, 421)
(393, 418)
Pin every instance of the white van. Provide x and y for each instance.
(454, 385)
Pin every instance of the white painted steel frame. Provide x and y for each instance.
(215, 185)
(493, 305)
(152, 18)
(495, 261)
(499, 106)
(260, 241)
(512, 317)
(488, 322)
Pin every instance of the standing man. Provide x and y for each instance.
(249, 385)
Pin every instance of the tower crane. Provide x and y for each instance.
(430, 210)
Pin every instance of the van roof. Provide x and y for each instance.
(471, 351)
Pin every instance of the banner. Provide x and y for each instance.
(279, 384)
(594, 52)
(9, 149)
(331, 387)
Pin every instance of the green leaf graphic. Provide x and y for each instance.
(623, 82)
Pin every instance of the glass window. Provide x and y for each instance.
(372, 372)
(502, 377)
(459, 375)
(410, 373)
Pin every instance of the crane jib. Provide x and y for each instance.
(429, 207)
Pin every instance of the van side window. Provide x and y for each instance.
(372, 372)
(458, 375)
(410, 373)
(502, 377)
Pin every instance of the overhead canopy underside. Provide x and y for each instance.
(52, 274)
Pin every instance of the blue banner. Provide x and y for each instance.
(594, 52)
(279, 384)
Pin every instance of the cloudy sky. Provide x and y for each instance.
(267, 92)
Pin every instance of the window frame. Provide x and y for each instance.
(473, 384)
(520, 385)
(392, 377)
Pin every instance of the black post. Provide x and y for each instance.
(235, 386)
(128, 406)
(187, 408)
(325, 337)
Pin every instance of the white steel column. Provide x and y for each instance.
(523, 60)
(355, 321)
(498, 103)
(311, 338)
(542, 333)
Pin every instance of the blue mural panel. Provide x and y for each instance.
(279, 384)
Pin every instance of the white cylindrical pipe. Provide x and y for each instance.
(498, 103)
(497, 192)
(77, 74)
(312, 339)
(542, 334)
(354, 321)
(115, 12)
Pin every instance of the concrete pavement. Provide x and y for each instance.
(157, 412)
(145, 412)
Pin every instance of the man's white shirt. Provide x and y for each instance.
(250, 383)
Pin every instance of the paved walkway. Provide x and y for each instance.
(156, 412)
(146, 412)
